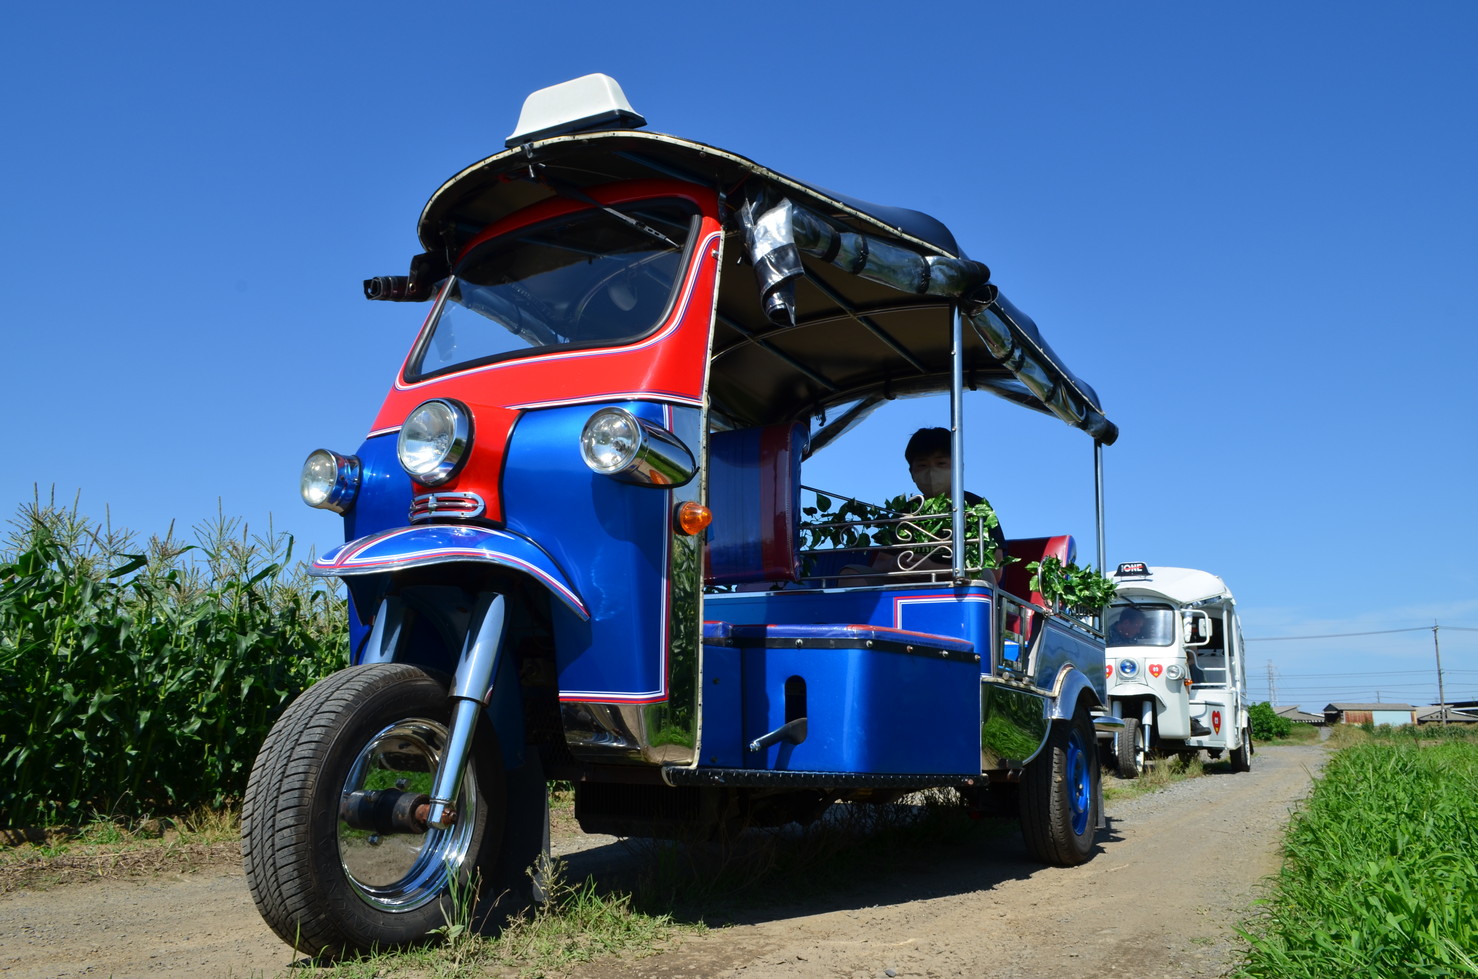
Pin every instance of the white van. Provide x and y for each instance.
(1177, 671)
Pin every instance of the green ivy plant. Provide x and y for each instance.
(1082, 591)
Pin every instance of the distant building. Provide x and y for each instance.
(1375, 713)
(1298, 715)
(1433, 715)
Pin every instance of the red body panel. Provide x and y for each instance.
(669, 365)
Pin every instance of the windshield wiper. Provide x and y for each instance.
(575, 193)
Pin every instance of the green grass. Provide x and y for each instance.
(1161, 773)
(1381, 865)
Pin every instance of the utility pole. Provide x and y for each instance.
(1272, 685)
(1441, 694)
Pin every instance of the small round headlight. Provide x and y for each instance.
(434, 441)
(1174, 671)
(1128, 668)
(330, 481)
(611, 441)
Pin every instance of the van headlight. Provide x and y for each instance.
(330, 481)
(1128, 669)
(1174, 671)
(617, 443)
(434, 441)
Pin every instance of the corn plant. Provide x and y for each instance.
(141, 677)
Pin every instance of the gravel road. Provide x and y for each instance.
(1175, 872)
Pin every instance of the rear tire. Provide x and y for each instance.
(1129, 749)
(1060, 798)
(329, 889)
(1241, 756)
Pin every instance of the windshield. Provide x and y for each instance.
(589, 278)
(1140, 625)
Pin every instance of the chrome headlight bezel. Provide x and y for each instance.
(616, 443)
(329, 481)
(1127, 669)
(435, 440)
(1174, 671)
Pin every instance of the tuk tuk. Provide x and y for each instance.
(577, 545)
(1177, 673)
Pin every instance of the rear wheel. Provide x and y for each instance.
(1241, 756)
(1060, 794)
(1129, 749)
(331, 869)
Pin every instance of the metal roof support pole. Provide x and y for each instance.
(957, 445)
(1098, 504)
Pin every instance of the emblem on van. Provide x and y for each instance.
(463, 505)
(1216, 721)
(1156, 669)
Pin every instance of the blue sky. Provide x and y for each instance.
(1252, 227)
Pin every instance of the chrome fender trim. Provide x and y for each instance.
(1071, 683)
(414, 547)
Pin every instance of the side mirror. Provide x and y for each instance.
(1197, 627)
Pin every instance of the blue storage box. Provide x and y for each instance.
(874, 700)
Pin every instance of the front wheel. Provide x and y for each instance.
(1060, 794)
(1241, 755)
(1129, 749)
(332, 871)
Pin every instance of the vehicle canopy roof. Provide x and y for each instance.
(1178, 586)
(862, 314)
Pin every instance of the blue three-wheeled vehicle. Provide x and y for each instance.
(578, 546)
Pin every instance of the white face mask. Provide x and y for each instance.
(933, 481)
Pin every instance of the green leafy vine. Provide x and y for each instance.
(852, 524)
(1082, 591)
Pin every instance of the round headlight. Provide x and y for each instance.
(329, 481)
(1174, 672)
(434, 441)
(1128, 668)
(611, 441)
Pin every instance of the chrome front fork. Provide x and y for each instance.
(471, 691)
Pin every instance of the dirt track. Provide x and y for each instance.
(1175, 872)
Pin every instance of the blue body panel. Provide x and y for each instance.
(612, 538)
(943, 610)
(871, 697)
(869, 704)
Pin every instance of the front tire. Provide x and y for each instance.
(1060, 794)
(328, 888)
(1241, 756)
(1129, 749)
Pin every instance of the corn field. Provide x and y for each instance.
(139, 677)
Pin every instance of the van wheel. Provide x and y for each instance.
(1060, 798)
(1241, 756)
(1129, 749)
(330, 869)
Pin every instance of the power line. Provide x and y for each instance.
(1343, 635)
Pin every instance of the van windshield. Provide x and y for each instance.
(591, 278)
(1139, 625)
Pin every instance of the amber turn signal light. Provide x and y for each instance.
(693, 518)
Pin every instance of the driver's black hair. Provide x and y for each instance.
(927, 441)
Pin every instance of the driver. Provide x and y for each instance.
(1128, 629)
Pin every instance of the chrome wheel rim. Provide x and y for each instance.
(405, 871)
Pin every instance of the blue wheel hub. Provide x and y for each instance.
(1079, 783)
